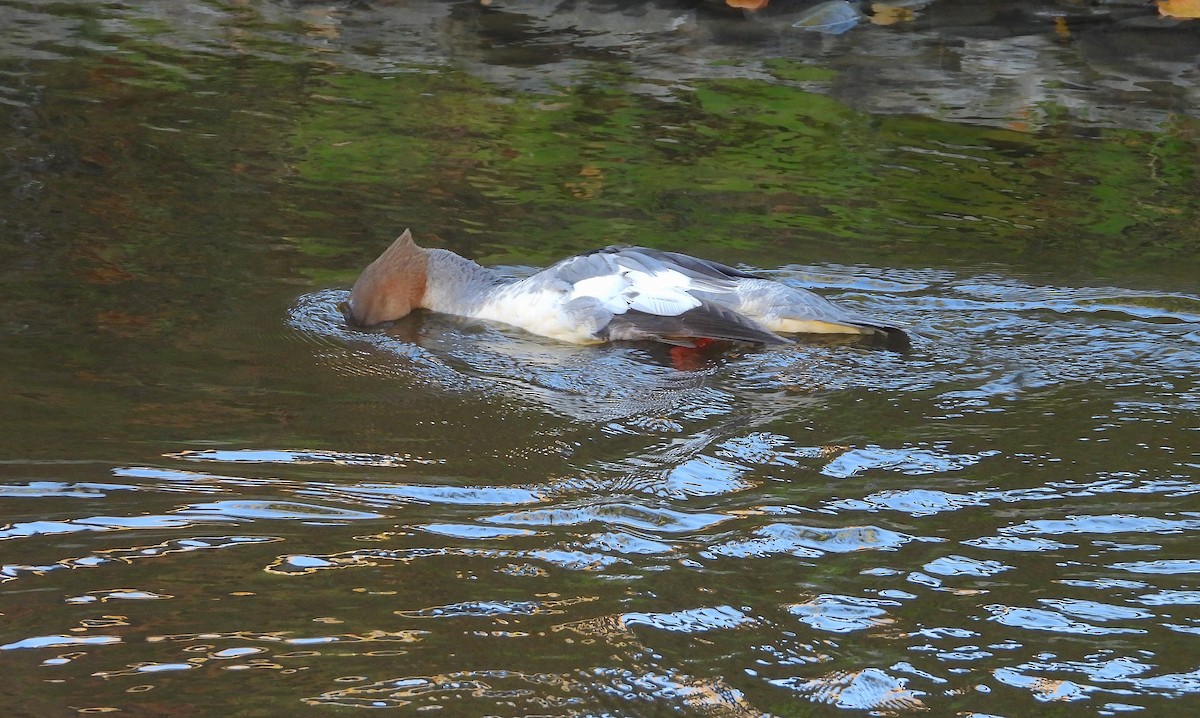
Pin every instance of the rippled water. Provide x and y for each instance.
(219, 499)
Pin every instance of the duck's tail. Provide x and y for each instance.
(892, 338)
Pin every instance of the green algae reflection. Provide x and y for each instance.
(737, 167)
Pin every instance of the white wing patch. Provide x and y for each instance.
(608, 288)
(661, 279)
(664, 292)
(670, 303)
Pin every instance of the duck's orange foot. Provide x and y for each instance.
(694, 357)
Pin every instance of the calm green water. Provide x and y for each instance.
(217, 499)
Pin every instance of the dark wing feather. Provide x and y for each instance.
(584, 266)
(703, 267)
(680, 262)
(707, 321)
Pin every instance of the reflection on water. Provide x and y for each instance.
(219, 499)
(997, 62)
(834, 546)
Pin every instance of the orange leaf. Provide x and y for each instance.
(750, 5)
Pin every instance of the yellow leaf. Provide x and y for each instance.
(1189, 9)
(884, 14)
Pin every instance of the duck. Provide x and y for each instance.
(618, 293)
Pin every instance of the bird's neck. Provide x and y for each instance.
(456, 285)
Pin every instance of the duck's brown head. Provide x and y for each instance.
(391, 286)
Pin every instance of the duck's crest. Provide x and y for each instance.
(391, 286)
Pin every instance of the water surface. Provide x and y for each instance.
(219, 499)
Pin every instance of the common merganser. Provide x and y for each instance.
(610, 294)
